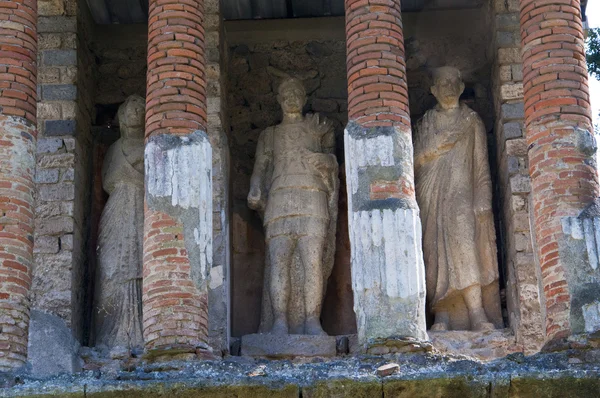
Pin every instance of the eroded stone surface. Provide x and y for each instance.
(52, 349)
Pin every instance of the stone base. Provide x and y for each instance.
(288, 346)
(483, 346)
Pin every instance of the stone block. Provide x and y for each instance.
(59, 57)
(517, 72)
(512, 130)
(46, 176)
(518, 203)
(506, 39)
(54, 226)
(504, 6)
(511, 91)
(56, 192)
(509, 55)
(523, 242)
(51, 7)
(70, 144)
(61, 160)
(288, 346)
(59, 92)
(47, 75)
(68, 175)
(512, 165)
(507, 21)
(520, 184)
(513, 111)
(49, 145)
(46, 245)
(505, 73)
(66, 242)
(516, 147)
(52, 349)
(49, 41)
(60, 127)
(68, 75)
(57, 24)
(48, 111)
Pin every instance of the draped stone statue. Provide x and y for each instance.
(118, 298)
(454, 193)
(294, 187)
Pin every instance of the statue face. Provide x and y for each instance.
(292, 99)
(448, 86)
(132, 115)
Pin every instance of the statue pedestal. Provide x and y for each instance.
(287, 346)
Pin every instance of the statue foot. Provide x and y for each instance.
(484, 326)
(479, 321)
(280, 327)
(439, 327)
(313, 327)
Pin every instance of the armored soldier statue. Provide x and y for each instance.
(294, 187)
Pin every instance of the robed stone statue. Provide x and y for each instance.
(454, 193)
(294, 187)
(118, 297)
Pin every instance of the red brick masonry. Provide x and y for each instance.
(18, 70)
(175, 311)
(377, 88)
(557, 111)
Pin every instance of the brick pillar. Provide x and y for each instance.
(385, 231)
(178, 214)
(18, 70)
(562, 163)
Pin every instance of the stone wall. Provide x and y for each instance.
(62, 176)
(523, 276)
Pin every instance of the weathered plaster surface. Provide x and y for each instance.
(388, 275)
(179, 182)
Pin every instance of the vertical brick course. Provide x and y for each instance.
(377, 88)
(176, 97)
(175, 308)
(18, 52)
(557, 116)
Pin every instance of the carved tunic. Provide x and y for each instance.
(453, 180)
(119, 274)
(301, 181)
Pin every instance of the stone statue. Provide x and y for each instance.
(294, 187)
(454, 193)
(118, 298)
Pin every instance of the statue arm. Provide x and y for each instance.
(482, 180)
(257, 196)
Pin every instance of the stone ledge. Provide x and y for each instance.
(572, 373)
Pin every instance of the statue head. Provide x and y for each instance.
(447, 86)
(132, 117)
(291, 95)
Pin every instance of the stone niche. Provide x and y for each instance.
(314, 50)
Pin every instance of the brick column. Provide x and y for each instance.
(18, 70)
(178, 214)
(562, 163)
(385, 231)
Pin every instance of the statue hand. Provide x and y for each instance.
(254, 198)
